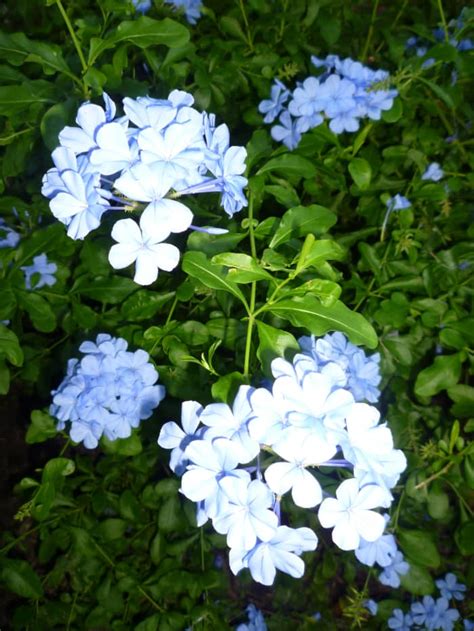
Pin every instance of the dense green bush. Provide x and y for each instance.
(102, 539)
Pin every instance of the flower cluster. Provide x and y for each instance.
(430, 613)
(158, 151)
(420, 46)
(109, 391)
(191, 8)
(41, 272)
(346, 92)
(312, 417)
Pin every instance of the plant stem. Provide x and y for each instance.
(247, 26)
(443, 20)
(253, 294)
(73, 35)
(371, 30)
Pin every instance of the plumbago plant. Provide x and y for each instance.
(239, 356)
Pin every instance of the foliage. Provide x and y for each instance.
(102, 539)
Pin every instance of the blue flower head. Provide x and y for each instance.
(8, 237)
(192, 8)
(45, 271)
(450, 588)
(362, 371)
(142, 6)
(434, 172)
(398, 202)
(109, 391)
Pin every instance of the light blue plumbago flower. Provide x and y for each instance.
(468, 625)
(447, 616)
(450, 588)
(148, 183)
(286, 132)
(280, 553)
(300, 451)
(77, 200)
(434, 172)
(273, 106)
(246, 517)
(391, 573)
(142, 6)
(143, 245)
(44, 269)
(400, 621)
(380, 551)
(177, 439)
(232, 423)
(8, 237)
(362, 371)
(192, 8)
(398, 202)
(351, 515)
(109, 391)
(426, 612)
(371, 607)
(256, 621)
(306, 105)
(210, 463)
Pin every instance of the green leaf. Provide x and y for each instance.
(53, 121)
(225, 388)
(142, 32)
(463, 397)
(418, 581)
(442, 374)
(302, 220)
(290, 164)
(320, 251)
(273, 343)
(39, 310)
(198, 266)
(8, 301)
(10, 347)
(244, 269)
(17, 49)
(464, 537)
(16, 99)
(309, 313)
(21, 579)
(395, 113)
(131, 446)
(438, 91)
(438, 502)
(42, 427)
(4, 377)
(144, 304)
(211, 244)
(419, 547)
(361, 172)
(231, 26)
(111, 290)
(113, 528)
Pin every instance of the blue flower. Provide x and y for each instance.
(399, 202)
(450, 588)
(362, 371)
(280, 553)
(400, 621)
(256, 621)
(391, 573)
(142, 6)
(44, 268)
(192, 8)
(8, 237)
(371, 607)
(273, 106)
(287, 132)
(109, 391)
(434, 172)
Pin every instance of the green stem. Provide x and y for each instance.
(253, 294)
(171, 311)
(247, 26)
(73, 35)
(443, 20)
(371, 30)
